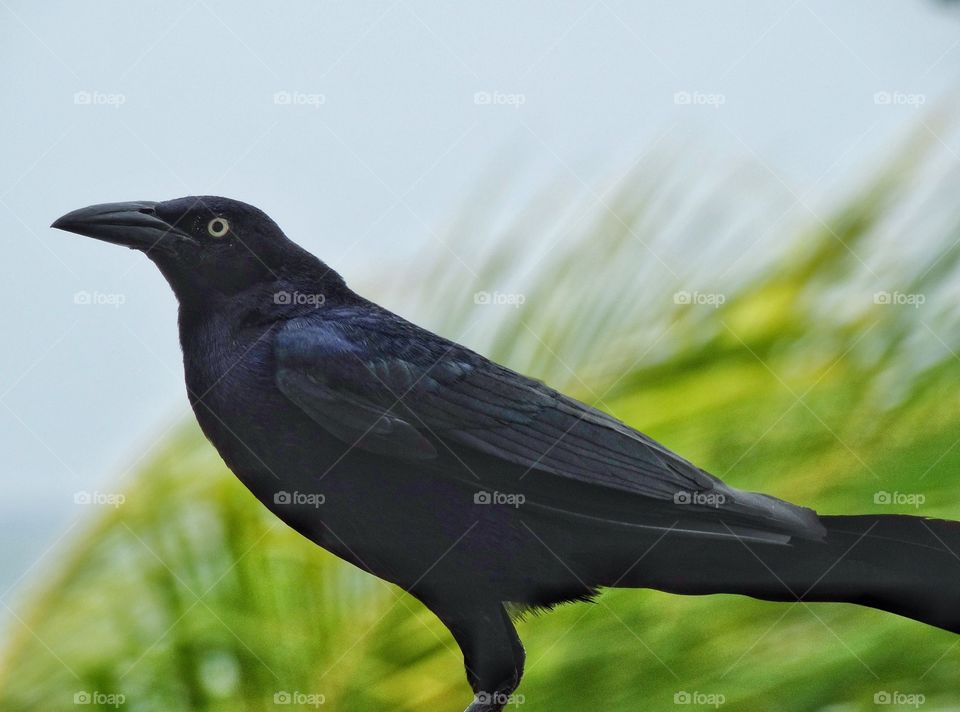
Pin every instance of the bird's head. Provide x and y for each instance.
(203, 245)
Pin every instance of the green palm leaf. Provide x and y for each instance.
(190, 596)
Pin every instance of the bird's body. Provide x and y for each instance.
(469, 485)
(344, 497)
(411, 523)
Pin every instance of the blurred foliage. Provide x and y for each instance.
(802, 383)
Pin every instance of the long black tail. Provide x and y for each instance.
(906, 565)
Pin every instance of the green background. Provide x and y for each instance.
(190, 596)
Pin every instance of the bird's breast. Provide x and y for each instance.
(229, 379)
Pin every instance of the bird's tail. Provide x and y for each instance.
(902, 564)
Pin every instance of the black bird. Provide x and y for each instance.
(476, 489)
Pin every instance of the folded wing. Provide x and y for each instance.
(381, 384)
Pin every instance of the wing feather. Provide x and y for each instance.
(379, 383)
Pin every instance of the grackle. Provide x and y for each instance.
(478, 490)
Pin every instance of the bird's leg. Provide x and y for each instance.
(492, 653)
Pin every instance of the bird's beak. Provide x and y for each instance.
(134, 225)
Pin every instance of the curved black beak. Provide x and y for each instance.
(134, 224)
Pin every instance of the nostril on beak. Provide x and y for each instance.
(147, 211)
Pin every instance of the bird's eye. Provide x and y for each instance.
(218, 227)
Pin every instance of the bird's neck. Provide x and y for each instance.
(266, 302)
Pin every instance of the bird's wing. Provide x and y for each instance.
(381, 384)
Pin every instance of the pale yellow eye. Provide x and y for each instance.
(218, 227)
